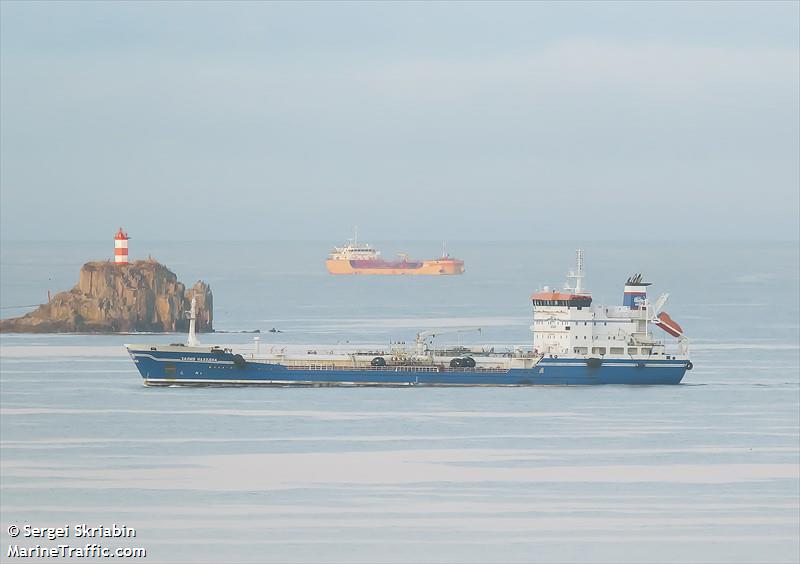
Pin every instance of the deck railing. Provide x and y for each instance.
(392, 368)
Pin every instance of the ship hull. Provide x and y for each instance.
(166, 368)
(442, 267)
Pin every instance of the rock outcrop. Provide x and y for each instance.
(109, 298)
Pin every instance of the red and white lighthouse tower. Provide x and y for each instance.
(121, 247)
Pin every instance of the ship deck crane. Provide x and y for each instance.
(422, 336)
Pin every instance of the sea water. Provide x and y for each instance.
(707, 471)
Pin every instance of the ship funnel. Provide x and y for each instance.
(635, 292)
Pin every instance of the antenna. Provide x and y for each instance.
(356, 236)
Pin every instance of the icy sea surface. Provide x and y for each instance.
(707, 471)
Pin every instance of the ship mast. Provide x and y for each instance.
(577, 274)
(192, 341)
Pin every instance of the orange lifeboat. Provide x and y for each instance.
(668, 324)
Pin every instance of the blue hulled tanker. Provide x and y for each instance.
(574, 342)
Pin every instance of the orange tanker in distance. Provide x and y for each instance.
(355, 258)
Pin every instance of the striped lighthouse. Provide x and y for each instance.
(121, 247)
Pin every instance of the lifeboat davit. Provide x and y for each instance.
(668, 324)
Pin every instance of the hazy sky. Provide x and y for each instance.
(413, 121)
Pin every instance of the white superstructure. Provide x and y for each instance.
(353, 251)
(567, 324)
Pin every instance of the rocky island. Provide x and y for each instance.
(110, 297)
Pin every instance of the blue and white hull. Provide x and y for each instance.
(160, 367)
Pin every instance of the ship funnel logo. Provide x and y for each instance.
(635, 292)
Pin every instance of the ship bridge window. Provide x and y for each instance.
(617, 350)
(598, 350)
(579, 303)
(633, 350)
